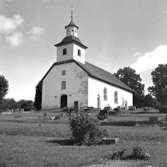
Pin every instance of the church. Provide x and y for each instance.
(73, 82)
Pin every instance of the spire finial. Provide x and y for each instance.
(72, 19)
(72, 10)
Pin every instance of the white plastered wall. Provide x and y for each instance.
(72, 53)
(96, 87)
(76, 86)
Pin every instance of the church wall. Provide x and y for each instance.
(72, 53)
(96, 87)
(80, 58)
(68, 56)
(76, 86)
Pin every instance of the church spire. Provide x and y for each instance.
(72, 28)
(72, 24)
(72, 20)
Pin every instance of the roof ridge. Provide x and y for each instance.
(112, 75)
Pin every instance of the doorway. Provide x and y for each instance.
(63, 102)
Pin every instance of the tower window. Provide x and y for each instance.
(64, 51)
(79, 52)
(105, 94)
(63, 72)
(63, 84)
(116, 97)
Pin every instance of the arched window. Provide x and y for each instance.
(116, 97)
(105, 94)
(79, 52)
(64, 51)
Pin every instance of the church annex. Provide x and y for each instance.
(72, 81)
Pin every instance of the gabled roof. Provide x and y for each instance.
(105, 76)
(97, 73)
(71, 39)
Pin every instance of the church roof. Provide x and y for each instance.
(97, 73)
(71, 39)
(105, 76)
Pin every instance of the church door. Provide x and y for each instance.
(63, 102)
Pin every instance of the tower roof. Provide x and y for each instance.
(71, 24)
(71, 39)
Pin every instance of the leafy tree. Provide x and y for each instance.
(38, 96)
(149, 101)
(27, 105)
(12, 104)
(133, 80)
(8, 104)
(159, 77)
(3, 87)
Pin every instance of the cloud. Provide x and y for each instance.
(15, 39)
(36, 32)
(150, 60)
(137, 54)
(9, 25)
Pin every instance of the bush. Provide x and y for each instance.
(163, 122)
(138, 153)
(153, 120)
(85, 130)
(103, 114)
(132, 108)
(163, 109)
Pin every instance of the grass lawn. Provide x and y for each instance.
(25, 142)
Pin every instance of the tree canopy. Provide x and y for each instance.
(159, 78)
(38, 96)
(3, 87)
(8, 104)
(133, 80)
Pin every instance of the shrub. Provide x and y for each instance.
(132, 108)
(85, 130)
(103, 114)
(118, 155)
(163, 109)
(138, 153)
(153, 120)
(163, 122)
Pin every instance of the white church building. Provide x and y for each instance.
(72, 81)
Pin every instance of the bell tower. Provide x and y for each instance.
(71, 47)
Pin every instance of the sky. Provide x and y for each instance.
(118, 33)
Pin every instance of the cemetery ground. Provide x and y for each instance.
(26, 140)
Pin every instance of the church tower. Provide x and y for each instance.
(71, 47)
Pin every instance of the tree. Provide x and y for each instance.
(8, 104)
(159, 78)
(27, 105)
(149, 101)
(133, 80)
(3, 87)
(38, 96)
